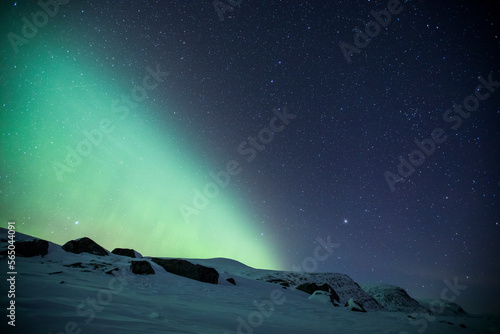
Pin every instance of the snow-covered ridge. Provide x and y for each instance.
(105, 294)
(345, 287)
(394, 298)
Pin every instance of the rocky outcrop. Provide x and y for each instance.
(231, 280)
(354, 306)
(310, 288)
(84, 245)
(124, 252)
(394, 298)
(189, 270)
(281, 282)
(32, 248)
(344, 286)
(141, 268)
(323, 297)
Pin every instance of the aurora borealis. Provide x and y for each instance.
(122, 121)
(82, 157)
(79, 174)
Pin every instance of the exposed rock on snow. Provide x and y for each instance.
(54, 286)
(280, 282)
(343, 285)
(443, 307)
(125, 252)
(32, 248)
(92, 265)
(322, 297)
(84, 245)
(141, 268)
(189, 270)
(394, 299)
(74, 265)
(354, 306)
(231, 280)
(310, 288)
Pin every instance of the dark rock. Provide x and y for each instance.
(110, 272)
(97, 265)
(231, 280)
(57, 272)
(355, 306)
(32, 248)
(84, 245)
(124, 252)
(411, 317)
(462, 325)
(86, 266)
(311, 287)
(189, 270)
(282, 282)
(4, 244)
(141, 268)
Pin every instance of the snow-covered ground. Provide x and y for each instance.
(72, 293)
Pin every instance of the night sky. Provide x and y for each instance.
(250, 133)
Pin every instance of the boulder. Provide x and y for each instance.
(354, 306)
(321, 296)
(141, 268)
(310, 288)
(189, 270)
(124, 252)
(84, 245)
(231, 280)
(32, 248)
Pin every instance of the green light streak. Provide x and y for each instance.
(126, 191)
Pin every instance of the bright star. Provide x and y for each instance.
(76, 222)
(345, 221)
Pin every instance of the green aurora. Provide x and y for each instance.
(125, 187)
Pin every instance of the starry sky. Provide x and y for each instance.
(259, 130)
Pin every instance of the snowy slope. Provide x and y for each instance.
(345, 287)
(72, 293)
